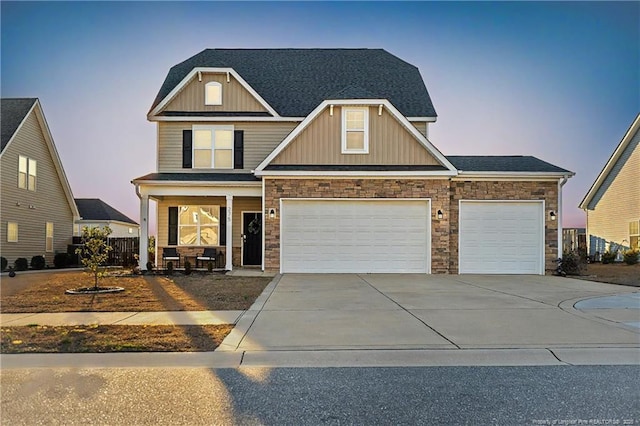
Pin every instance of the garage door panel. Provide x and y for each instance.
(355, 236)
(501, 237)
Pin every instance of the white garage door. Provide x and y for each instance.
(356, 236)
(501, 238)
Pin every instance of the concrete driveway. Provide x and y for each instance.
(382, 311)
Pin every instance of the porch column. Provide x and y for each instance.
(144, 232)
(229, 257)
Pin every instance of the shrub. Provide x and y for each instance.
(5, 263)
(21, 264)
(608, 257)
(631, 256)
(187, 267)
(573, 263)
(170, 268)
(210, 266)
(61, 260)
(150, 266)
(38, 262)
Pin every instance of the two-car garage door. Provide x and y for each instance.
(355, 236)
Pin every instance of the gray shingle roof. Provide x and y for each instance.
(503, 163)
(96, 209)
(12, 112)
(295, 81)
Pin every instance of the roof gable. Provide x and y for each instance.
(614, 165)
(13, 112)
(445, 168)
(295, 81)
(96, 209)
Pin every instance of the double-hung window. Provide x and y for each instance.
(213, 147)
(634, 233)
(12, 232)
(355, 130)
(27, 173)
(198, 225)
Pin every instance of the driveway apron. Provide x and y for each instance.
(415, 311)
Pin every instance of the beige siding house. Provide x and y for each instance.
(613, 201)
(37, 210)
(318, 160)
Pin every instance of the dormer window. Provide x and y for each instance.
(213, 93)
(355, 130)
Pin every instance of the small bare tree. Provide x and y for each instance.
(95, 250)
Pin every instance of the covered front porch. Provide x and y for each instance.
(225, 217)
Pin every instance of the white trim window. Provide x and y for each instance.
(634, 234)
(213, 147)
(198, 225)
(355, 130)
(27, 173)
(12, 232)
(48, 244)
(213, 93)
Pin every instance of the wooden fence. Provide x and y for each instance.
(123, 251)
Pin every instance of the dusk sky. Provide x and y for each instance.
(559, 81)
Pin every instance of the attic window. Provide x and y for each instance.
(355, 130)
(213, 93)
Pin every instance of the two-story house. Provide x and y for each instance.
(37, 209)
(318, 160)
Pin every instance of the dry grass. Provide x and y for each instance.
(614, 273)
(196, 292)
(112, 338)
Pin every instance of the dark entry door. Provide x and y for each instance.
(252, 238)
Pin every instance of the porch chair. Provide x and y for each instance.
(170, 254)
(208, 255)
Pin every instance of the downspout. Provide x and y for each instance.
(561, 183)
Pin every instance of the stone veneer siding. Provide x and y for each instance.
(506, 190)
(435, 189)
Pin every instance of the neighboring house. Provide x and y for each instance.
(96, 213)
(613, 201)
(37, 203)
(318, 160)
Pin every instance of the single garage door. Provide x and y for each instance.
(501, 238)
(355, 236)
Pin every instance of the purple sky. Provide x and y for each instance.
(560, 81)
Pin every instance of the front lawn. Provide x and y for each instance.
(151, 293)
(614, 273)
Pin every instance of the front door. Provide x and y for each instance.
(251, 238)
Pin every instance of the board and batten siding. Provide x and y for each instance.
(390, 143)
(48, 202)
(618, 201)
(421, 126)
(240, 204)
(260, 138)
(235, 98)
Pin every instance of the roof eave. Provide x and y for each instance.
(624, 142)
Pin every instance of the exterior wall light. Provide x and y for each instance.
(439, 214)
(272, 213)
(552, 215)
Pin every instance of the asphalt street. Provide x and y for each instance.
(309, 396)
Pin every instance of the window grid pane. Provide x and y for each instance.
(224, 139)
(223, 159)
(198, 225)
(355, 140)
(213, 94)
(202, 158)
(49, 237)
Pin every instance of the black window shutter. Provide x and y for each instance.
(223, 226)
(173, 226)
(238, 149)
(186, 149)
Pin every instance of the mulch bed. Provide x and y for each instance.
(112, 338)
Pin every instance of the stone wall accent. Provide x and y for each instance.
(506, 190)
(435, 189)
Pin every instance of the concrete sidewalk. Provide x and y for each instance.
(122, 318)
